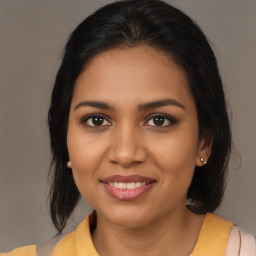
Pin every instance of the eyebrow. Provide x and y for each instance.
(94, 104)
(160, 103)
(145, 106)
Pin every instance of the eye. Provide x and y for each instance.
(96, 120)
(160, 120)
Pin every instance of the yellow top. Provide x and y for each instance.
(213, 237)
(22, 251)
(212, 240)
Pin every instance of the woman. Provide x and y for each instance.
(139, 128)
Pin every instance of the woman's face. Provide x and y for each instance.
(133, 136)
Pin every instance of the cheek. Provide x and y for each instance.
(83, 167)
(86, 154)
(178, 149)
(177, 169)
(176, 157)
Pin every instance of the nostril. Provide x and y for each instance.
(127, 155)
(126, 159)
(125, 164)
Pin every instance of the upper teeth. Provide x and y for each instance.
(129, 185)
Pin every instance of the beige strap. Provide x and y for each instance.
(240, 243)
(248, 244)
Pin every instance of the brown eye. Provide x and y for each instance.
(160, 120)
(96, 121)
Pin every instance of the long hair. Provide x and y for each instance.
(159, 25)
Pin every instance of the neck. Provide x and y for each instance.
(173, 234)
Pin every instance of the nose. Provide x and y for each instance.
(127, 148)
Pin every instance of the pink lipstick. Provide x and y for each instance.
(127, 188)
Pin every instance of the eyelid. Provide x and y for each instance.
(171, 119)
(87, 117)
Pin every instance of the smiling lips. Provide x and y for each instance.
(127, 188)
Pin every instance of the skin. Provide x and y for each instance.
(130, 143)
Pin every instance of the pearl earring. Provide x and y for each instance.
(203, 161)
(69, 164)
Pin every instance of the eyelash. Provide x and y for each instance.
(170, 119)
(86, 118)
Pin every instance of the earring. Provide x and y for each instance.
(203, 161)
(69, 164)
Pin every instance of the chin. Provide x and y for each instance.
(129, 217)
(132, 222)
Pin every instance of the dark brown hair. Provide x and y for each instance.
(163, 27)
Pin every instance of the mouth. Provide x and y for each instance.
(128, 185)
(127, 188)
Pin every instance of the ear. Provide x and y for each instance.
(204, 148)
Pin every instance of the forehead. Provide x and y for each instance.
(132, 74)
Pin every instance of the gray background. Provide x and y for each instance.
(32, 35)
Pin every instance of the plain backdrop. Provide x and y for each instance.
(32, 36)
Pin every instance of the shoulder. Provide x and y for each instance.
(66, 246)
(26, 250)
(78, 242)
(237, 241)
(240, 243)
(221, 237)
